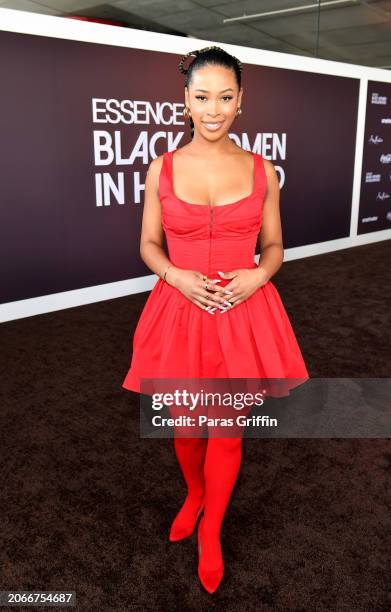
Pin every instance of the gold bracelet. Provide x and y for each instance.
(164, 277)
(260, 267)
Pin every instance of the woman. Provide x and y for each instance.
(213, 312)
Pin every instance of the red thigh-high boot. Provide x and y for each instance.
(190, 453)
(222, 464)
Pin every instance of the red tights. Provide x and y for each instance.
(210, 467)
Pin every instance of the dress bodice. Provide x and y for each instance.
(211, 238)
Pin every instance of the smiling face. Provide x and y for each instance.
(213, 97)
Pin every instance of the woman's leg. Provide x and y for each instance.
(222, 465)
(190, 453)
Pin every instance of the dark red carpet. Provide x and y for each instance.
(86, 505)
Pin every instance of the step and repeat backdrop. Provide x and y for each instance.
(375, 206)
(80, 123)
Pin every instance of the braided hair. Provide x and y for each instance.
(209, 55)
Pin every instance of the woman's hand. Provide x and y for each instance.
(245, 281)
(191, 284)
(208, 295)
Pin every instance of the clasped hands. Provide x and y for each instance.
(207, 294)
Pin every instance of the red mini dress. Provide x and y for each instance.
(174, 338)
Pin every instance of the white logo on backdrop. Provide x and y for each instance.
(369, 219)
(370, 177)
(382, 195)
(386, 120)
(375, 139)
(385, 158)
(377, 99)
(154, 126)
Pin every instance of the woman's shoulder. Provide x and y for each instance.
(270, 173)
(154, 171)
(268, 165)
(155, 164)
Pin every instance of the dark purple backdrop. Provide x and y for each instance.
(53, 236)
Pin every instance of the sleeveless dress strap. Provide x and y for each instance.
(260, 174)
(165, 176)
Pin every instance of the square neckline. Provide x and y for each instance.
(171, 183)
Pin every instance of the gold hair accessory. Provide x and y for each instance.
(184, 58)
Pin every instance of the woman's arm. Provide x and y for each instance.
(188, 282)
(270, 236)
(151, 241)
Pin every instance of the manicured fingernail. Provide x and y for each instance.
(216, 280)
(227, 292)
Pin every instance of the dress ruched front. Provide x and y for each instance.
(174, 338)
